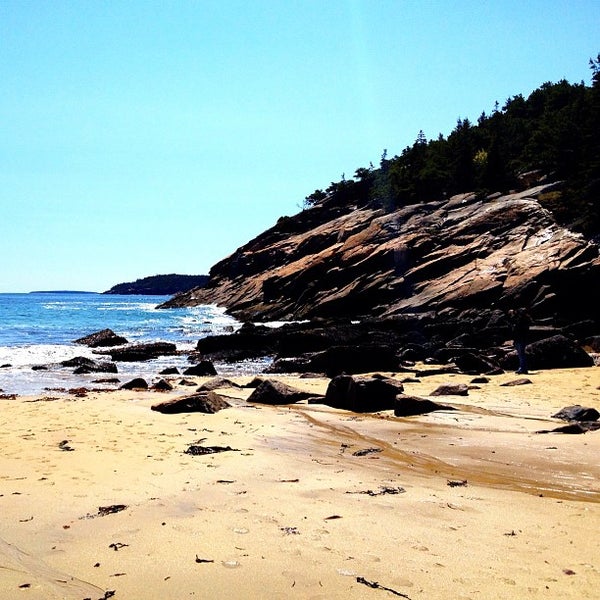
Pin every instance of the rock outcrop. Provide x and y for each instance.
(103, 338)
(465, 252)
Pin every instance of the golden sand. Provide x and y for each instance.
(485, 507)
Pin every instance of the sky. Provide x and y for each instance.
(147, 137)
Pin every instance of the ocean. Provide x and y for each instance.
(39, 329)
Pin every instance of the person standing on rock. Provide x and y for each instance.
(519, 328)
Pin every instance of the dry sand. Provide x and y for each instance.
(291, 512)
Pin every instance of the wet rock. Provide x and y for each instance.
(577, 413)
(362, 394)
(202, 369)
(141, 352)
(203, 402)
(103, 338)
(276, 392)
(169, 371)
(135, 384)
(84, 365)
(451, 389)
(408, 406)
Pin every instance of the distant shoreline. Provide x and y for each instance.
(61, 292)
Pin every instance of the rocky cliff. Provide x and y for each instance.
(458, 253)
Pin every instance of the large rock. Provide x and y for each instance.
(204, 402)
(202, 369)
(556, 352)
(577, 413)
(141, 352)
(84, 365)
(362, 394)
(103, 338)
(138, 383)
(464, 252)
(274, 392)
(451, 389)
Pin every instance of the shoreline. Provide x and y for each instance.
(470, 503)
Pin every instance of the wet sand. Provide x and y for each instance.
(469, 503)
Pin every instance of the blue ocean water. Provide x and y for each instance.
(39, 329)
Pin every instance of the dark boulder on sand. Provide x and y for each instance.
(162, 386)
(203, 402)
(451, 389)
(577, 413)
(274, 392)
(362, 394)
(216, 383)
(135, 384)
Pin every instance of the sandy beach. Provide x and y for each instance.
(98, 498)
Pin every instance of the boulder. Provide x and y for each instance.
(101, 339)
(474, 364)
(577, 413)
(141, 352)
(408, 406)
(555, 352)
(84, 365)
(169, 371)
(276, 392)
(202, 369)
(362, 394)
(519, 381)
(216, 383)
(135, 384)
(451, 389)
(203, 402)
(162, 386)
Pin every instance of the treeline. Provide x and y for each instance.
(553, 133)
(160, 285)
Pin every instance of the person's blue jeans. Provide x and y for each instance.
(520, 348)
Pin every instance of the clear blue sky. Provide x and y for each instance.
(146, 137)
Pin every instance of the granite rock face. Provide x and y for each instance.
(465, 252)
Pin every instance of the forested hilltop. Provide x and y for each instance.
(501, 214)
(552, 135)
(159, 285)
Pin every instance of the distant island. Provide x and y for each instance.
(160, 285)
(61, 292)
